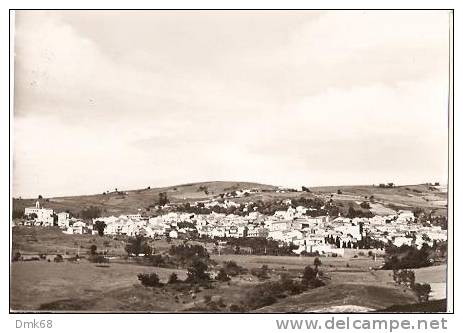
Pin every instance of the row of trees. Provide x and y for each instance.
(406, 257)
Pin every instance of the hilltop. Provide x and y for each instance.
(383, 200)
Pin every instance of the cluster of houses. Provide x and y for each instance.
(322, 234)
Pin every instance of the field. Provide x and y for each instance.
(36, 284)
(34, 241)
(351, 285)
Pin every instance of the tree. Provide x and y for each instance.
(422, 291)
(100, 227)
(163, 200)
(309, 275)
(305, 189)
(404, 276)
(222, 276)
(40, 197)
(137, 245)
(149, 279)
(93, 249)
(317, 262)
(197, 272)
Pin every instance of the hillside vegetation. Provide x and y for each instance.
(116, 202)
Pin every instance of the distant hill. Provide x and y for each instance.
(382, 200)
(128, 202)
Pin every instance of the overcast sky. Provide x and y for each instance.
(131, 99)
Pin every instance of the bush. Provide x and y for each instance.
(197, 272)
(261, 273)
(138, 245)
(222, 276)
(422, 291)
(173, 278)
(98, 259)
(268, 292)
(233, 269)
(17, 256)
(309, 275)
(58, 258)
(149, 279)
(404, 277)
(93, 249)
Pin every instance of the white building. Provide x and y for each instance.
(44, 216)
(63, 219)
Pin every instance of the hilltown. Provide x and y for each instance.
(320, 234)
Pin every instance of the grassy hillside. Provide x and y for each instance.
(126, 202)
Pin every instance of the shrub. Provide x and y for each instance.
(93, 249)
(58, 258)
(422, 291)
(138, 245)
(261, 273)
(17, 256)
(233, 269)
(149, 279)
(173, 278)
(317, 262)
(197, 272)
(222, 276)
(309, 275)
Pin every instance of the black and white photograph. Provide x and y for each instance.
(231, 161)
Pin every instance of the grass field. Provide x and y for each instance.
(37, 283)
(352, 284)
(51, 240)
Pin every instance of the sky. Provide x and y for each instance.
(130, 99)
